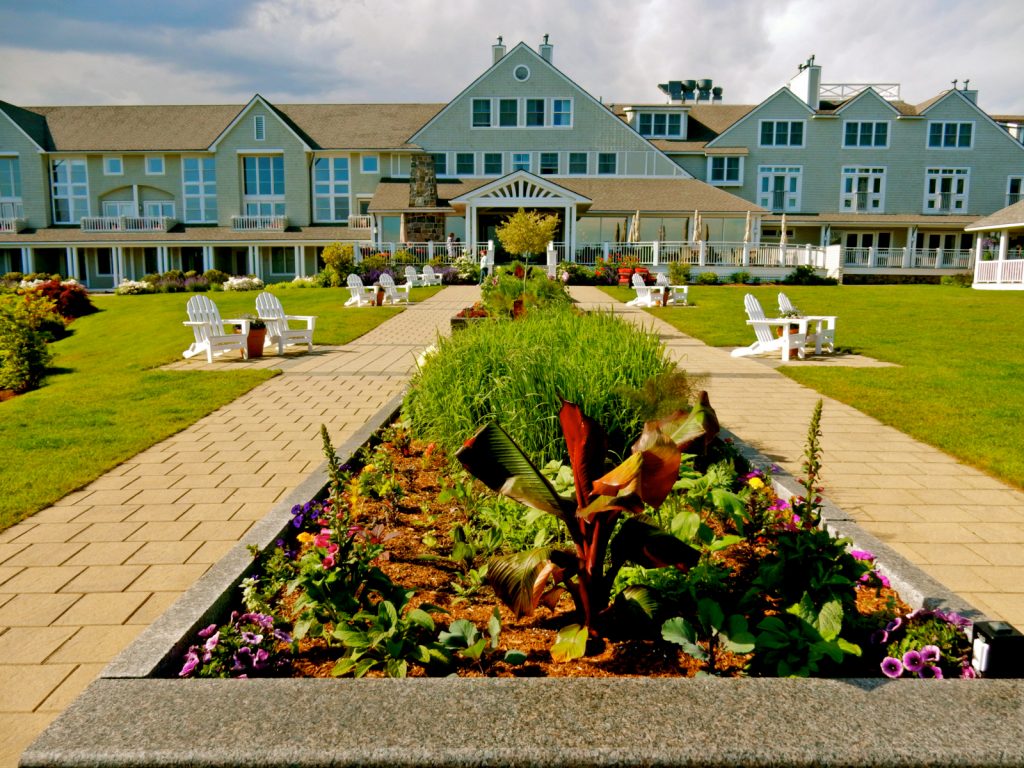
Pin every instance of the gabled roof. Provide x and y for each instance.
(1011, 217)
(257, 99)
(867, 93)
(782, 93)
(514, 184)
(361, 126)
(32, 124)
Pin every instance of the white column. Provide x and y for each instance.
(27, 259)
(570, 240)
(656, 253)
(702, 256)
(116, 264)
(70, 256)
(872, 256)
(251, 259)
(552, 259)
(746, 254)
(977, 248)
(207, 257)
(908, 254)
(300, 261)
(1004, 244)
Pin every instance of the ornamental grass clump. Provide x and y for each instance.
(515, 373)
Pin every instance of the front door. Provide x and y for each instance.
(489, 221)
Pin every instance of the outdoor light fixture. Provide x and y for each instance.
(998, 649)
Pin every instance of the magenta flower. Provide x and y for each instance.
(930, 654)
(328, 562)
(208, 630)
(251, 638)
(912, 661)
(861, 554)
(967, 672)
(892, 667)
(893, 625)
(212, 641)
(191, 662)
(930, 671)
(879, 637)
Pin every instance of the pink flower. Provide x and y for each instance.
(323, 538)
(328, 562)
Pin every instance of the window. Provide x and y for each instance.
(263, 185)
(330, 189)
(10, 179)
(370, 164)
(465, 164)
(521, 73)
(199, 182)
(70, 189)
(782, 133)
(535, 113)
(154, 165)
(259, 127)
(481, 113)
(863, 190)
(520, 161)
(492, 164)
(1014, 188)
(950, 135)
(115, 208)
(561, 112)
(660, 124)
(104, 262)
(508, 113)
(578, 163)
(866, 134)
(113, 166)
(779, 187)
(158, 208)
(440, 163)
(946, 190)
(548, 162)
(725, 170)
(282, 260)
(606, 162)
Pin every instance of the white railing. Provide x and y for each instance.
(418, 254)
(1007, 272)
(251, 223)
(360, 221)
(127, 223)
(899, 258)
(12, 224)
(888, 91)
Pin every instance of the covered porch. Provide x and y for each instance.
(999, 250)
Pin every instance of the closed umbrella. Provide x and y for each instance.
(746, 230)
(661, 233)
(696, 226)
(782, 236)
(401, 229)
(634, 229)
(618, 233)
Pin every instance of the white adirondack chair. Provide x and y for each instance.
(677, 294)
(361, 294)
(766, 341)
(429, 278)
(393, 293)
(825, 336)
(210, 337)
(644, 295)
(269, 309)
(411, 277)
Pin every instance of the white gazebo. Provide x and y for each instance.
(1003, 269)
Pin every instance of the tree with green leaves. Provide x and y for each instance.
(527, 232)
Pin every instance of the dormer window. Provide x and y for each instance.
(660, 124)
(259, 127)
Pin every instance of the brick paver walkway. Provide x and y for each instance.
(79, 580)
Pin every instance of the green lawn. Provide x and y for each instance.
(104, 401)
(960, 386)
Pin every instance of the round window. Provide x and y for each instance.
(521, 73)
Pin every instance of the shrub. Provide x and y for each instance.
(529, 286)
(70, 297)
(196, 283)
(805, 275)
(515, 372)
(23, 352)
(133, 288)
(679, 273)
(961, 279)
(571, 273)
(216, 277)
(707, 278)
(742, 277)
(465, 269)
(339, 261)
(250, 283)
(370, 268)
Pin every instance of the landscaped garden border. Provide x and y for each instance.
(131, 717)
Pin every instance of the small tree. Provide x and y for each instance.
(527, 232)
(338, 261)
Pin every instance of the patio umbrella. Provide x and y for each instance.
(661, 233)
(401, 228)
(746, 230)
(618, 233)
(696, 226)
(782, 236)
(634, 229)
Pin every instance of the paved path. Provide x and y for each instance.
(79, 580)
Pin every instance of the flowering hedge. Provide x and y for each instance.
(243, 284)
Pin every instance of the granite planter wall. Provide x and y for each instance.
(132, 716)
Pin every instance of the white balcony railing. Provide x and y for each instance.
(842, 91)
(915, 258)
(253, 223)
(1005, 272)
(360, 221)
(12, 224)
(127, 223)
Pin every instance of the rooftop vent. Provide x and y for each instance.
(684, 91)
(546, 50)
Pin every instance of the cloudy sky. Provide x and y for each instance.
(224, 51)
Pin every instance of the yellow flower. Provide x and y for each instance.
(369, 468)
(755, 483)
(305, 537)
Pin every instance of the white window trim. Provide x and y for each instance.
(289, 253)
(483, 163)
(106, 167)
(146, 206)
(96, 258)
(331, 182)
(447, 165)
(202, 197)
(476, 164)
(568, 167)
(54, 197)
(115, 208)
(726, 182)
(14, 198)
(516, 68)
(492, 117)
(782, 170)
(512, 161)
(653, 134)
(259, 128)
(163, 165)
(362, 164)
(954, 173)
(618, 164)
(928, 134)
(558, 163)
(1009, 182)
(888, 134)
(549, 113)
(855, 171)
(803, 134)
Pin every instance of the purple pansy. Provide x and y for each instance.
(930, 671)
(207, 631)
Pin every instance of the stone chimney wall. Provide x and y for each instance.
(427, 226)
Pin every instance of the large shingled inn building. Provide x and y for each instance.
(844, 177)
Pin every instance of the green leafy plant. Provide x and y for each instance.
(679, 273)
(798, 642)
(591, 515)
(388, 638)
(525, 233)
(709, 633)
(707, 278)
(24, 356)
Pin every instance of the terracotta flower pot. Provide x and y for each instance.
(255, 340)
